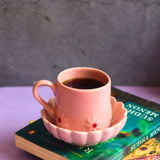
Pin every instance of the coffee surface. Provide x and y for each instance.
(83, 83)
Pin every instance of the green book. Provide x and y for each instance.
(142, 124)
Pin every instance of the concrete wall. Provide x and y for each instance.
(40, 38)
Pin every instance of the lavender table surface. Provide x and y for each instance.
(18, 107)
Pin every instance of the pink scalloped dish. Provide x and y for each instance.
(90, 138)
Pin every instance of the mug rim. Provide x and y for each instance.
(83, 90)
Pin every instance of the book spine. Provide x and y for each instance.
(145, 137)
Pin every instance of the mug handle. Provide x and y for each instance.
(46, 105)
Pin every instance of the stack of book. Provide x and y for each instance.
(136, 139)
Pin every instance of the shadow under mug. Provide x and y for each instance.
(79, 109)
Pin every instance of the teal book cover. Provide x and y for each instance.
(142, 124)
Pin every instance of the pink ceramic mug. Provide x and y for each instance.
(79, 109)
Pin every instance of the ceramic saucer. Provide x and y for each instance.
(81, 138)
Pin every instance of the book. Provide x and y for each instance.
(142, 124)
(150, 150)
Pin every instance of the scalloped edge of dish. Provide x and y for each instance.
(90, 138)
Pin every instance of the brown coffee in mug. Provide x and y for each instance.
(83, 83)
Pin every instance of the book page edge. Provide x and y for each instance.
(39, 151)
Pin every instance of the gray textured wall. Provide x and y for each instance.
(40, 38)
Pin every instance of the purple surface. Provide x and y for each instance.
(18, 107)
